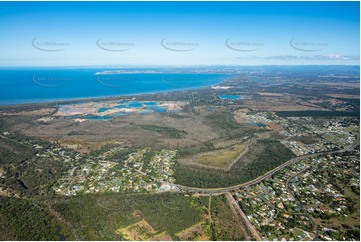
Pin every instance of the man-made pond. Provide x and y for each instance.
(109, 110)
(135, 104)
(100, 110)
(150, 103)
(229, 97)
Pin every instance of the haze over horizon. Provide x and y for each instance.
(179, 33)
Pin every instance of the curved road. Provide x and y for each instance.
(266, 175)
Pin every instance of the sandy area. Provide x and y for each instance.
(91, 108)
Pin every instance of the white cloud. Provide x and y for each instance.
(298, 57)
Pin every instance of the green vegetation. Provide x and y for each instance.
(177, 116)
(2, 124)
(120, 154)
(26, 173)
(147, 157)
(196, 149)
(14, 151)
(20, 219)
(223, 121)
(224, 124)
(264, 156)
(225, 222)
(355, 102)
(100, 216)
(166, 131)
(305, 139)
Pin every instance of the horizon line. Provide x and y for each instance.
(175, 66)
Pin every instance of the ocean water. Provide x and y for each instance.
(32, 85)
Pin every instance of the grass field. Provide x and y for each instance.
(220, 159)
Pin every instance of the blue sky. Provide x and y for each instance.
(179, 33)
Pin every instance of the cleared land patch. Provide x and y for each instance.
(195, 232)
(220, 159)
(141, 231)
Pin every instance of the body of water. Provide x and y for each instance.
(31, 85)
(100, 110)
(149, 107)
(229, 97)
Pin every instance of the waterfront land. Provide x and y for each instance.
(269, 154)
